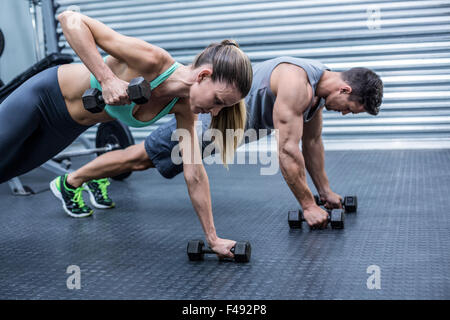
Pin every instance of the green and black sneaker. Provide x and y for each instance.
(98, 193)
(72, 199)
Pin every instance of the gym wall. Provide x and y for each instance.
(15, 23)
(406, 42)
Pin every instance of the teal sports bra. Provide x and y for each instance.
(124, 113)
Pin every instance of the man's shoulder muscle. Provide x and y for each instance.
(291, 76)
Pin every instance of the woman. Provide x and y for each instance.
(46, 113)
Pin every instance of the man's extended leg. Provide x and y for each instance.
(154, 152)
(110, 164)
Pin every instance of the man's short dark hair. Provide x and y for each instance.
(367, 88)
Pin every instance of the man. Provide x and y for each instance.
(288, 94)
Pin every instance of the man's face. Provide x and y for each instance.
(340, 101)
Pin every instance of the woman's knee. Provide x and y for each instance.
(137, 158)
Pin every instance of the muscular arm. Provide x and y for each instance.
(84, 34)
(293, 97)
(313, 153)
(195, 175)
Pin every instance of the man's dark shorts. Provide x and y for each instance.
(159, 146)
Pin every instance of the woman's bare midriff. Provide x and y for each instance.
(74, 80)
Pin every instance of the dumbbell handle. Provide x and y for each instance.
(349, 206)
(322, 203)
(209, 250)
(143, 96)
(329, 216)
(100, 97)
(130, 91)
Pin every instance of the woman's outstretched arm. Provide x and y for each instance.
(198, 184)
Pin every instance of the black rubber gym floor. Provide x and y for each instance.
(138, 249)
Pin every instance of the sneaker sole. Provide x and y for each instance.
(94, 202)
(57, 194)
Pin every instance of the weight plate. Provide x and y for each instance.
(2, 42)
(114, 132)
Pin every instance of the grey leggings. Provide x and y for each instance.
(34, 125)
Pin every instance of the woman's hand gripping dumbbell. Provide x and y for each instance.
(138, 91)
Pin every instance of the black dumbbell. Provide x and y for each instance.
(350, 203)
(335, 218)
(139, 92)
(196, 250)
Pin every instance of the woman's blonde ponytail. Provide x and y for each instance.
(230, 122)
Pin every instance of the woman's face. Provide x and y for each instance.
(207, 96)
